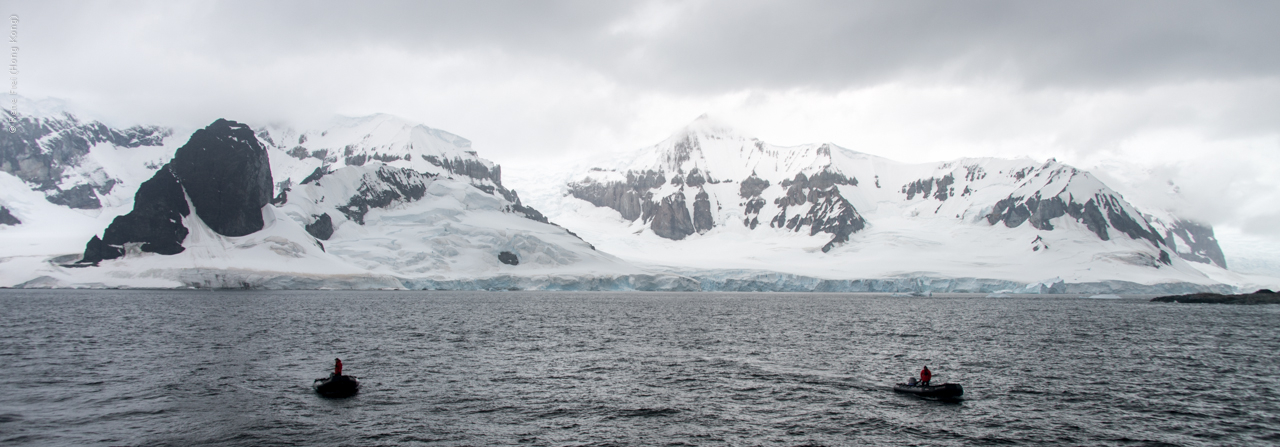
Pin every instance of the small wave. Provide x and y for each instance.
(492, 410)
(647, 412)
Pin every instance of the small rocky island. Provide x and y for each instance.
(1262, 296)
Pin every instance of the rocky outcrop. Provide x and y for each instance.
(670, 218)
(828, 211)
(81, 196)
(631, 198)
(702, 221)
(924, 187)
(1014, 210)
(321, 228)
(468, 167)
(508, 258)
(42, 151)
(227, 174)
(1198, 242)
(155, 222)
(810, 202)
(387, 185)
(1263, 296)
(6, 218)
(383, 187)
(752, 186)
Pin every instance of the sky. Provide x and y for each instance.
(1143, 93)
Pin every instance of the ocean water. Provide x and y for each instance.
(652, 369)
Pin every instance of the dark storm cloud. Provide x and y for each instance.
(728, 45)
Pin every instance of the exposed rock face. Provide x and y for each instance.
(631, 198)
(1101, 211)
(468, 167)
(752, 186)
(44, 150)
(1198, 242)
(227, 174)
(322, 228)
(822, 208)
(155, 222)
(283, 196)
(828, 211)
(79, 197)
(6, 218)
(702, 221)
(693, 163)
(925, 186)
(383, 187)
(508, 258)
(670, 218)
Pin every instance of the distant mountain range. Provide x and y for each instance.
(378, 202)
(736, 211)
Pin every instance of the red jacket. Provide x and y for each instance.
(925, 374)
(337, 367)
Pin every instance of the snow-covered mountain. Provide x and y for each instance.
(373, 202)
(733, 210)
(379, 202)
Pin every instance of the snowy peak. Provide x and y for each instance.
(1054, 190)
(719, 151)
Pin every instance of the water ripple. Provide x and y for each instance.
(448, 368)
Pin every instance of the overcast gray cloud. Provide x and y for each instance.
(713, 46)
(1186, 90)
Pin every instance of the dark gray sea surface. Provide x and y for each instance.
(531, 368)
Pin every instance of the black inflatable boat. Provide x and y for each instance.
(337, 386)
(943, 391)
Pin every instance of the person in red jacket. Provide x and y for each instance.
(925, 375)
(337, 367)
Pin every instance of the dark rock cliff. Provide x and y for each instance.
(631, 199)
(6, 218)
(227, 174)
(155, 222)
(670, 218)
